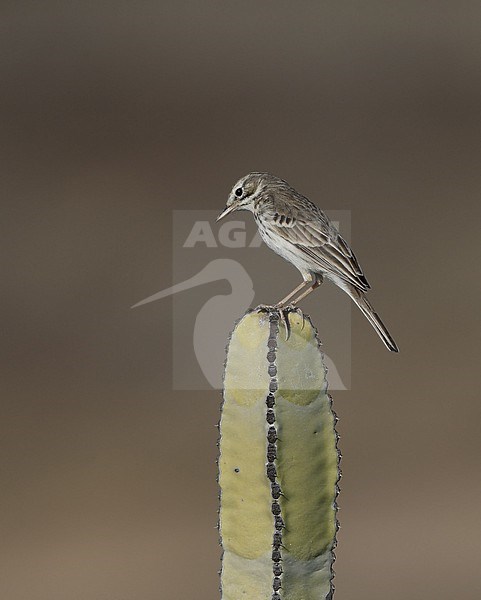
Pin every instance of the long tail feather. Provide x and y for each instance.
(373, 318)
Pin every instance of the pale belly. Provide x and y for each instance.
(288, 251)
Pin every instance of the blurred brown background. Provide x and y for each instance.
(113, 114)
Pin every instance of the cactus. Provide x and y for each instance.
(278, 464)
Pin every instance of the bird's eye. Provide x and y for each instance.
(238, 192)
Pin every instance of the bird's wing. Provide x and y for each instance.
(315, 236)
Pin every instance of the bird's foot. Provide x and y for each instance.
(298, 311)
(283, 311)
(268, 308)
(284, 316)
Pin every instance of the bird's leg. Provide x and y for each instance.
(279, 305)
(317, 282)
(293, 293)
(284, 312)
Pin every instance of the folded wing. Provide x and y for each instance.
(315, 236)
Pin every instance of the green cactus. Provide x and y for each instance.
(278, 464)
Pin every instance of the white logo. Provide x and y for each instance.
(211, 319)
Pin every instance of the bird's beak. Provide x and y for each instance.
(226, 211)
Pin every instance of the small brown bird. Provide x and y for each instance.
(300, 232)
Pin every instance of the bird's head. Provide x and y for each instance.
(245, 192)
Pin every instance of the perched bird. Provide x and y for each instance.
(296, 229)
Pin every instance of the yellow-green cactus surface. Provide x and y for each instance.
(278, 464)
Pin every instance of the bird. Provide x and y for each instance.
(299, 231)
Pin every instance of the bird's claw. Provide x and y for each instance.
(265, 308)
(298, 311)
(284, 315)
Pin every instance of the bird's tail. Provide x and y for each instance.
(370, 314)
